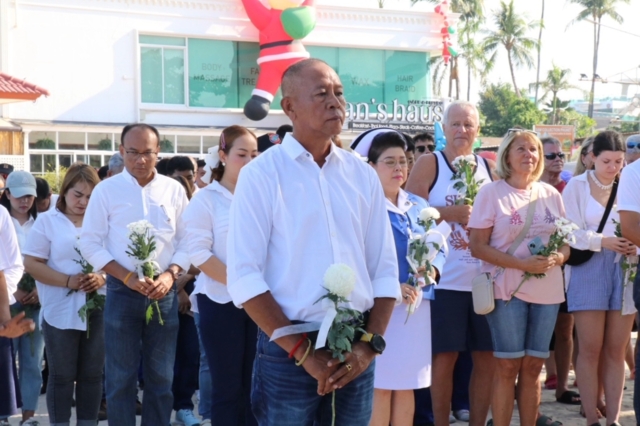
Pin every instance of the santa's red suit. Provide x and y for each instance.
(278, 51)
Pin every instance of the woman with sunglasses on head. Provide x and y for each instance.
(393, 398)
(19, 199)
(228, 334)
(603, 311)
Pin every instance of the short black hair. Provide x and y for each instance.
(411, 147)
(43, 190)
(201, 163)
(180, 163)
(132, 126)
(426, 136)
(283, 130)
(161, 166)
(608, 140)
(102, 172)
(384, 141)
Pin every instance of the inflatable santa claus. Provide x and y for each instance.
(281, 25)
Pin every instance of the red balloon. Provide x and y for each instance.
(444, 30)
(446, 23)
(437, 9)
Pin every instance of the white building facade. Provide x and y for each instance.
(187, 67)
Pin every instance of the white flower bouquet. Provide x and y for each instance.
(94, 299)
(340, 323)
(422, 250)
(562, 235)
(142, 252)
(464, 178)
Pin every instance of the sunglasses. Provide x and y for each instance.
(632, 145)
(553, 156)
(423, 148)
(511, 131)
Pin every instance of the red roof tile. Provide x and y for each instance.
(14, 88)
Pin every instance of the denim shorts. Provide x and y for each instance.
(521, 328)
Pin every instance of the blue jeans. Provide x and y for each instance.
(29, 349)
(126, 333)
(521, 328)
(636, 389)
(229, 339)
(204, 407)
(286, 395)
(186, 368)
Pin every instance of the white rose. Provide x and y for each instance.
(456, 161)
(471, 159)
(429, 213)
(340, 280)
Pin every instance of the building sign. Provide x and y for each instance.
(412, 116)
(565, 134)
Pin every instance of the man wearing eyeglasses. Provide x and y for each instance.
(425, 144)
(633, 149)
(135, 194)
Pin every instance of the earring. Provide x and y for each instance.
(223, 164)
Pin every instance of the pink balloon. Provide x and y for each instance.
(437, 9)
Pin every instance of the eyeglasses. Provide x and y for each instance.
(149, 155)
(511, 131)
(553, 156)
(423, 148)
(391, 163)
(632, 145)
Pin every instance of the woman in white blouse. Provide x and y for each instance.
(603, 314)
(228, 334)
(75, 346)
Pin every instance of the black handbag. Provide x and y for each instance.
(578, 257)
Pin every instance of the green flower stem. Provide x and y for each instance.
(333, 408)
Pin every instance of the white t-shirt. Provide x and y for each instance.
(628, 193)
(10, 259)
(54, 237)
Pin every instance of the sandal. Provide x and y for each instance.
(569, 398)
(551, 383)
(547, 421)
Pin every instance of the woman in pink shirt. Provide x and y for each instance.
(522, 322)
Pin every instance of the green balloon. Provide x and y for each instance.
(453, 51)
(451, 30)
(298, 22)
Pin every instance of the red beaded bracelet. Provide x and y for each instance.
(295, 348)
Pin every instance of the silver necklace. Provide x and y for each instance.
(599, 184)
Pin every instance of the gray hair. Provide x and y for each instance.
(459, 104)
(116, 163)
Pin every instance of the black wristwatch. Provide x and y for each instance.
(376, 342)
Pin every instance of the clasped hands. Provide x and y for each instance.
(332, 374)
(153, 289)
(85, 282)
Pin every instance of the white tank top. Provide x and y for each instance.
(460, 268)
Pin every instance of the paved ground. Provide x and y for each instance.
(568, 414)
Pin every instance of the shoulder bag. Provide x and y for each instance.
(578, 257)
(482, 285)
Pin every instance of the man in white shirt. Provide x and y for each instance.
(135, 194)
(629, 209)
(299, 208)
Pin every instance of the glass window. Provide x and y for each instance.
(167, 143)
(213, 73)
(42, 140)
(71, 140)
(405, 76)
(82, 159)
(327, 54)
(173, 76)
(35, 161)
(362, 83)
(151, 74)
(248, 72)
(49, 163)
(208, 142)
(100, 141)
(188, 144)
(65, 160)
(165, 41)
(95, 161)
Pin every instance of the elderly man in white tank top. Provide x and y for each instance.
(455, 327)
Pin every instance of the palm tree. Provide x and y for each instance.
(539, 46)
(475, 55)
(557, 81)
(595, 10)
(511, 33)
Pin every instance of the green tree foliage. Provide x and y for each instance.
(584, 125)
(502, 109)
(511, 32)
(557, 81)
(595, 10)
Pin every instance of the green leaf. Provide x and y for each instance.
(149, 314)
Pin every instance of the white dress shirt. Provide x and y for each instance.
(22, 231)
(54, 237)
(290, 220)
(628, 194)
(120, 200)
(10, 258)
(206, 221)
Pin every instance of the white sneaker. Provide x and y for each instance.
(187, 418)
(206, 422)
(31, 422)
(452, 419)
(462, 415)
